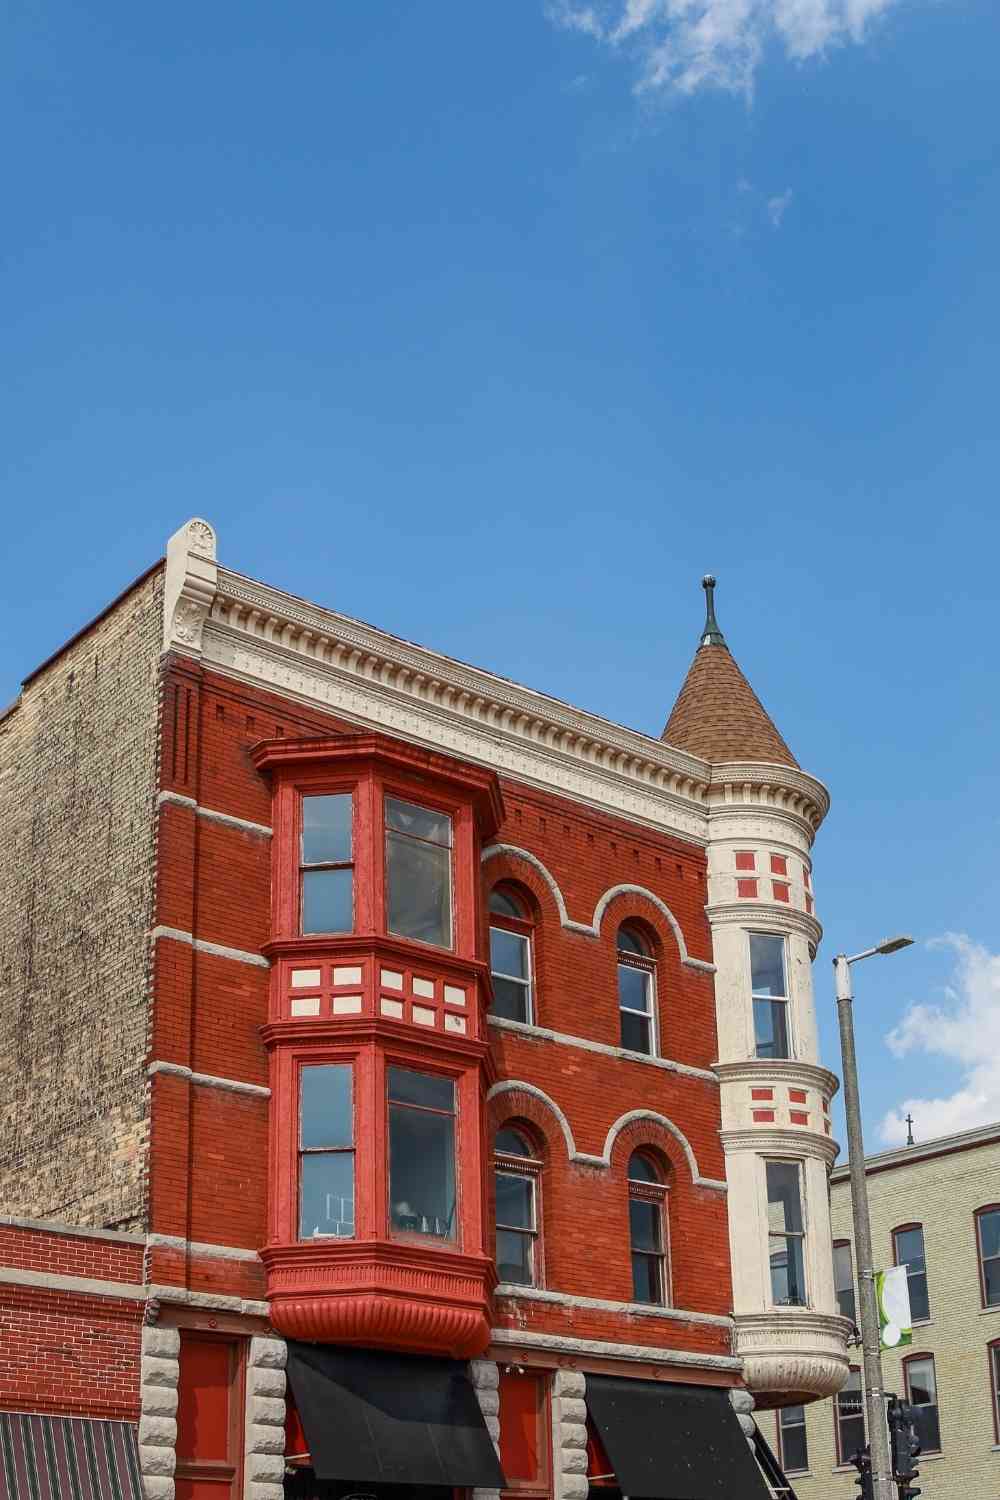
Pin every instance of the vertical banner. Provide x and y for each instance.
(893, 1295)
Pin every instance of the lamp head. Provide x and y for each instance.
(893, 945)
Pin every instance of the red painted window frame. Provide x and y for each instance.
(909, 1359)
(842, 1462)
(987, 1208)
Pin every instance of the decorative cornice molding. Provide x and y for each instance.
(593, 927)
(566, 1039)
(634, 1309)
(208, 1080)
(202, 945)
(768, 915)
(177, 799)
(189, 587)
(756, 1070)
(557, 1343)
(782, 789)
(782, 1141)
(584, 1158)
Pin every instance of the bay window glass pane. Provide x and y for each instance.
(788, 1277)
(419, 889)
(326, 1115)
(427, 1090)
(510, 1000)
(508, 953)
(770, 1025)
(767, 964)
(784, 1198)
(785, 1229)
(515, 1201)
(794, 1450)
(644, 1225)
(327, 900)
(633, 988)
(326, 829)
(635, 1032)
(514, 1257)
(326, 1193)
(418, 822)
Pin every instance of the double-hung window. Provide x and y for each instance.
(510, 958)
(769, 989)
(326, 861)
(843, 1280)
(792, 1443)
(646, 1194)
(786, 1233)
(849, 1418)
(516, 1180)
(988, 1243)
(995, 1387)
(908, 1248)
(418, 844)
(421, 1153)
(921, 1393)
(326, 1152)
(636, 993)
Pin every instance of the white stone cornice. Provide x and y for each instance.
(189, 587)
(780, 788)
(771, 916)
(774, 1070)
(557, 1343)
(793, 1140)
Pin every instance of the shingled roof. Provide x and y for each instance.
(717, 714)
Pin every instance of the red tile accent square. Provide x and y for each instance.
(798, 1096)
(780, 890)
(746, 888)
(809, 902)
(779, 864)
(762, 1093)
(763, 1116)
(746, 859)
(799, 1117)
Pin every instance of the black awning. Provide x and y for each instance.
(391, 1418)
(67, 1458)
(674, 1442)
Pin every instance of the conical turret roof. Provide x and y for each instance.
(717, 715)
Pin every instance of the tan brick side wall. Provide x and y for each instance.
(77, 790)
(942, 1193)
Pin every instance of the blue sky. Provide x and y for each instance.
(498, 325)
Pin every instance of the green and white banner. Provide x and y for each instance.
(893, 1295)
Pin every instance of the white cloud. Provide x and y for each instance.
(686, 45)
(965, 1030)
(776, 207)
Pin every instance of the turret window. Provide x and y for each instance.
(636, 992)
(646, 1194)
(418, 872)
(326, 1152)
(327, 867)
(422, 1153)
(769, 989)
(786, 1233)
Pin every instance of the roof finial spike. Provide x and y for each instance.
(711, 635)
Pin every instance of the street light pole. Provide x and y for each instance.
(883, 1486)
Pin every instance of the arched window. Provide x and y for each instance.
(908, 1251)
(988, 1245)
(516, 1173)
(636, 992)
(921, 1392)
(510, 956)
(646, 1195)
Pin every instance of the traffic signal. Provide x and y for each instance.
(904, 1440)
(862, 1462)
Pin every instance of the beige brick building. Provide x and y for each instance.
(941, 1197)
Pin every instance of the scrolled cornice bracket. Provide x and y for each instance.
(190, 586)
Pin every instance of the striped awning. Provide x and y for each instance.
(67, 1458)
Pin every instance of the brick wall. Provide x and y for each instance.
(63, 1350)
(77, 784)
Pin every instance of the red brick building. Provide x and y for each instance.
(362, 1071)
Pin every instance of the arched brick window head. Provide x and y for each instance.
(510, 956)
(647, 1230)
(636, 992)
(516, 1174)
